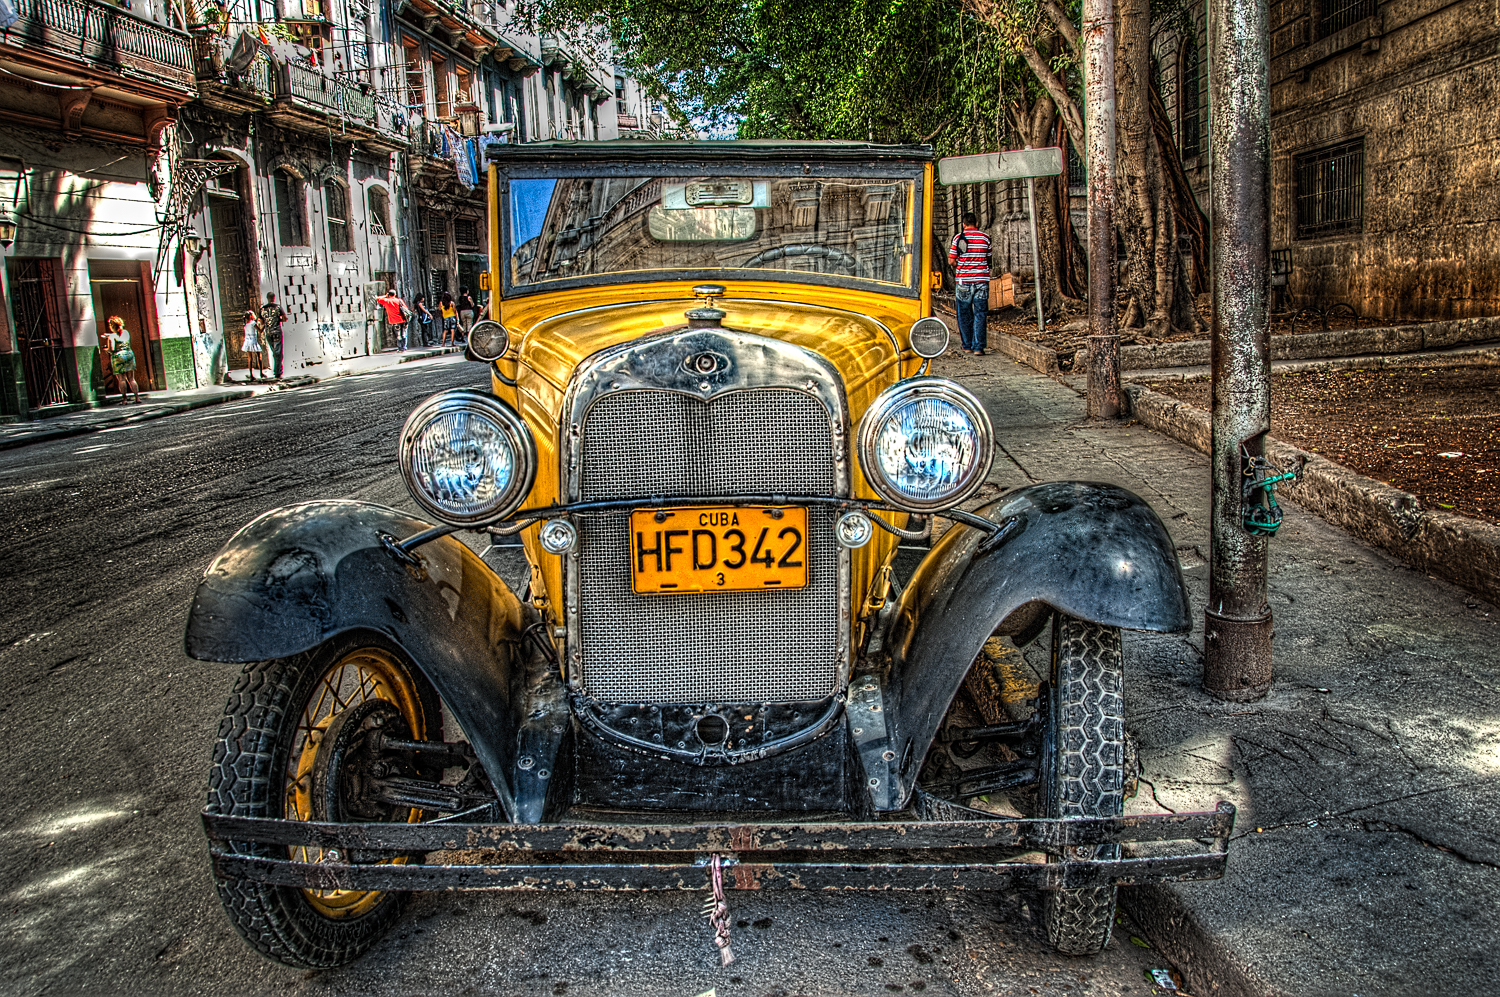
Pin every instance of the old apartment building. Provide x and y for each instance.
(174, 164)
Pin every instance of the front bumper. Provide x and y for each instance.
(883, 855)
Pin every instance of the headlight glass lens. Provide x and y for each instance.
(463, 461)
(466, 457)
(926, 445)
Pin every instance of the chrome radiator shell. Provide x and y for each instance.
(644, 420)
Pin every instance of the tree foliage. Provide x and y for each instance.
(881, 70)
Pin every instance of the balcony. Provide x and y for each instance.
(250, 90)
(105, 41)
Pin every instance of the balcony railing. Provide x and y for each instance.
(253, 86)
(103, 35)
(306, 87)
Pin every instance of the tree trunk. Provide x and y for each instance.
(1152, 271)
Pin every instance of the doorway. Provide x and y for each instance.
(39, 331)
(232, 258)
(117, 290)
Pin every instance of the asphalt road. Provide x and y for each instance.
(106, 729)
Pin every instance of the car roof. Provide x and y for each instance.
(700, 151)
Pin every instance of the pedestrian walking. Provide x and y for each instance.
(423, 319)
(121, 357)
(969, 252)
(396, 314)
(466, 312)
(254, 350)
(271, 317)
(449, 312)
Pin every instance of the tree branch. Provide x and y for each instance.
(1066, 106)
(1065, 26)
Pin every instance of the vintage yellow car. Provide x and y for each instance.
(712, 427)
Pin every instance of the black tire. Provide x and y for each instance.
(263, 723)
(1083, 768)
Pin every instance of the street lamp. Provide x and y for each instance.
(7, 229)
(191, 245)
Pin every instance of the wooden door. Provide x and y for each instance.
(118, 294)
(232, 257)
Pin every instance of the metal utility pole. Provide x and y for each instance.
(1099, 111)
(1237, 622)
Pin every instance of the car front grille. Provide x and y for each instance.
(737, 647)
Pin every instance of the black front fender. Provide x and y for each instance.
(295, 577)
(1093, 551)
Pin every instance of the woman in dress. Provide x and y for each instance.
(252, 348)
(450, 319)
(121, 357)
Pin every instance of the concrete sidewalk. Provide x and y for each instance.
(155, 404)
(1366, 858)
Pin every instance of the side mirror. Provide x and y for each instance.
(484, 280)
(935, 280)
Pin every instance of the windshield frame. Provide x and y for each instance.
(811, 167)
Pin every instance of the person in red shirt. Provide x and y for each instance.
(969, 252)
(396, 313)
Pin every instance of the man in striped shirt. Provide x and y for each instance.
(969, 252)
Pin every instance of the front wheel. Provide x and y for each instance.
(293, 745)
(1083, 768)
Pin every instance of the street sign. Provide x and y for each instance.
(1017, 164)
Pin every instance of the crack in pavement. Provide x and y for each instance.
(1391, 827)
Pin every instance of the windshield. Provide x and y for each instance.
(850, 229)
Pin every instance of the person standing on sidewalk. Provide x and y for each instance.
(423, 320)
(271, 317)
(250, 345)
(396, 314)
(449, 313)
(466, 311)
(121, 357)
(969, 252)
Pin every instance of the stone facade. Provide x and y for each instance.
(1385, 149)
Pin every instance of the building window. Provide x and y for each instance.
(465, 233)
(620, 94)
(336, 209)
(380, 212)
(440, 91)
(1192, 95)
(491, 111)
(1331, 190)
(437, 237)
(290, 219)
(1339, 14)
(416, 86)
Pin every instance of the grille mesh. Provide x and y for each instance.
(750, 646)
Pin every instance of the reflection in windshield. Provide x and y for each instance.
(582, 226)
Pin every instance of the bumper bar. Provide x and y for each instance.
(920, 855)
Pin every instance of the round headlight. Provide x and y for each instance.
(467, 458)
(929, 338)
(488, 340)
(926, 444)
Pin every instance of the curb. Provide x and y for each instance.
(1457, 549)
(1209, 966)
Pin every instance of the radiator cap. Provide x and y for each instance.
(705, 318)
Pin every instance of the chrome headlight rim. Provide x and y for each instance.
(517, 435)
(913, 389)
(489, 340)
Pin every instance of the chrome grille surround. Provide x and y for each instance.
(683, 434)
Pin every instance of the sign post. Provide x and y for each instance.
(1017, 164)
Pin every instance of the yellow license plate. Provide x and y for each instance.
(717, 549)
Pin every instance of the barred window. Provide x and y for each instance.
(1339, 14)
(1331, 190)
(437, 237)
(336, 207)
(1192, 94)
(465, 232)
(290, 219)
